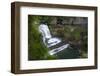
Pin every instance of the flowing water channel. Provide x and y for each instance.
(62, 51)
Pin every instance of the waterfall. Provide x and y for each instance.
(50, 41)
(56, 50)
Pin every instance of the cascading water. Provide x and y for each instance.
(50, 41)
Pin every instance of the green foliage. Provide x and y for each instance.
(35, 46)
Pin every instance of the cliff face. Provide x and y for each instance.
(69, 20)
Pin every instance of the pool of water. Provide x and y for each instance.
(68, 53)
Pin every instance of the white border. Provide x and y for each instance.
(25, 64)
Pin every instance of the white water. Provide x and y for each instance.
(47, 35)
(56, 50)
(51, 41)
